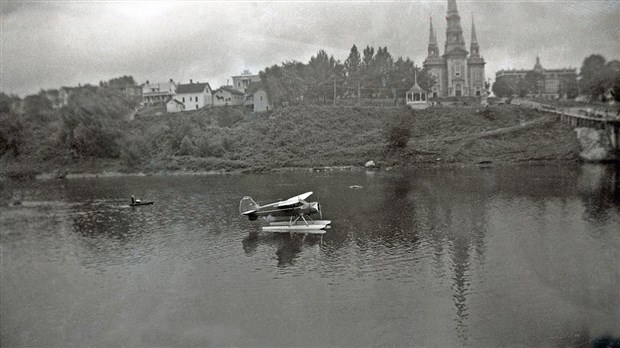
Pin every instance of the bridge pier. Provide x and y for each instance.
(614, 136)
(610, 125)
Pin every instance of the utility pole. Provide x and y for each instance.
(334, 90)
(359, 95)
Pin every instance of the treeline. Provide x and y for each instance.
(89, 125)
(369, 74)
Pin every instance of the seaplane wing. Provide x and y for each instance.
(293, 201)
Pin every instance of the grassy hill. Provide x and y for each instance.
(230, 139)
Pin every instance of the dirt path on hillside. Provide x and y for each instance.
(465, 138)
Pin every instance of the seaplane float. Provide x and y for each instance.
(294, 215)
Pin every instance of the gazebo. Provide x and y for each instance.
(416, 96)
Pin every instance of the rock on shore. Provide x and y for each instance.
(595, 146)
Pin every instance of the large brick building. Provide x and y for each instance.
(553, 84)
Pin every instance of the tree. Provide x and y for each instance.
(381, 67)
(11, 128)
(534, 82)
(92, 121)
(593, 76)
(366, 73)
(504, 87)
(122, 81)
(321, 70)
(352, 65)
(285, 84)
(569, 87)
(37, 106)
(369, 54)
(613, 70)
(403, 74)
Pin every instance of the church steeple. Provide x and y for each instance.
(452, 7)
(433, 49)
(454, 32)
(473, 46)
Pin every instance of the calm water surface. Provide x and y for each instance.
(517, 256)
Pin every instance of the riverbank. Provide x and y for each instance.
(228, 141)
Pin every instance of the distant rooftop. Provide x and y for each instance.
(231, 90)
(192, 87)
(246, 73)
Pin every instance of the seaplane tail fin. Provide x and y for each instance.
(247, 206)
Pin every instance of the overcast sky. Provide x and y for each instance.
(49, 44)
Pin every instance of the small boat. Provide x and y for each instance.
(141, 203)
(136, 202)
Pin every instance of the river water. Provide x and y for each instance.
(507, 256)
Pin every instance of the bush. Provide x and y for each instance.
(398, 131)
(11, 134)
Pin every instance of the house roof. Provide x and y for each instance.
(175, 101)
(192, 88)
(416, 89)
(230, 89)
(164, 87)
(253, 87)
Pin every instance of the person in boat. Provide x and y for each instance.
(134, 200)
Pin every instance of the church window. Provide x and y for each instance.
(457, 69)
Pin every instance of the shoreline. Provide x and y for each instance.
(107, 173)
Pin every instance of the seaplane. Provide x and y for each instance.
(296, 209)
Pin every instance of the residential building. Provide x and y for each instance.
(194, 95)
(554, 84)
(174, 106)
(457, 72)
(158, 94)
(63, 95)
(242, 82)
(256, 97)
(53, 96)
(227, 95)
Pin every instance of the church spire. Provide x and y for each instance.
(454, 32)
(433, 49)
(474, 39)
(452, 7)
(432, 39)
(473, 46)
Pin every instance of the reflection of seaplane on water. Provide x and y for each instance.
(296, 209)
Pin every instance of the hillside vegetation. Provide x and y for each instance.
(78, 139)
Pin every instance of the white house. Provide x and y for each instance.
(194, 95)
(227, 96)
(174, 106)
(158, 94)
(243, 81)
(256, 97)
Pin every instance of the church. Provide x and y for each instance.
(457, 72)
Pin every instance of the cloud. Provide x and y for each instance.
(51, 44)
